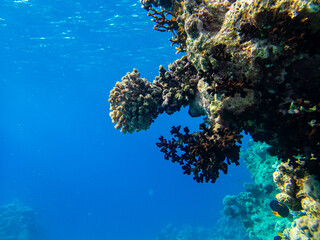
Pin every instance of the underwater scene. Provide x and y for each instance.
(160, 120)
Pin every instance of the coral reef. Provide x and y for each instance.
(252, 206)
(260, 164)
(18, 222)
(301, 192)
(225, 229)
(256, 76)
(253, 66)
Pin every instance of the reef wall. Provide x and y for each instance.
(18, 222)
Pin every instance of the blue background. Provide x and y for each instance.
(60, 153)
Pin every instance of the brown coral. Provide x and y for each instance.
(166, 21)
(134, 103)
(203, 153)
(179, 85)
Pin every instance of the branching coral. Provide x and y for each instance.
(166, 20)
(202, 153)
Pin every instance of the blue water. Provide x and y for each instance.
(59, 151)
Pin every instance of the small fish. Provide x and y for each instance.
(277, 238)
(280, 234)
(278, 209)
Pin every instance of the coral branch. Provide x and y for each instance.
(203, 153)
(166, 21)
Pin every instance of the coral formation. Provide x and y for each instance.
(260, 164)
(135, 102)
(301, 192)
(147, 4)
(18, 222)
(178, 85)
(251, 66)
(225, 229)
(252, 206)
(202, 153)
(167, 20)
(254, 66)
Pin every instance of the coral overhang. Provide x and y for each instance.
(250, 65)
